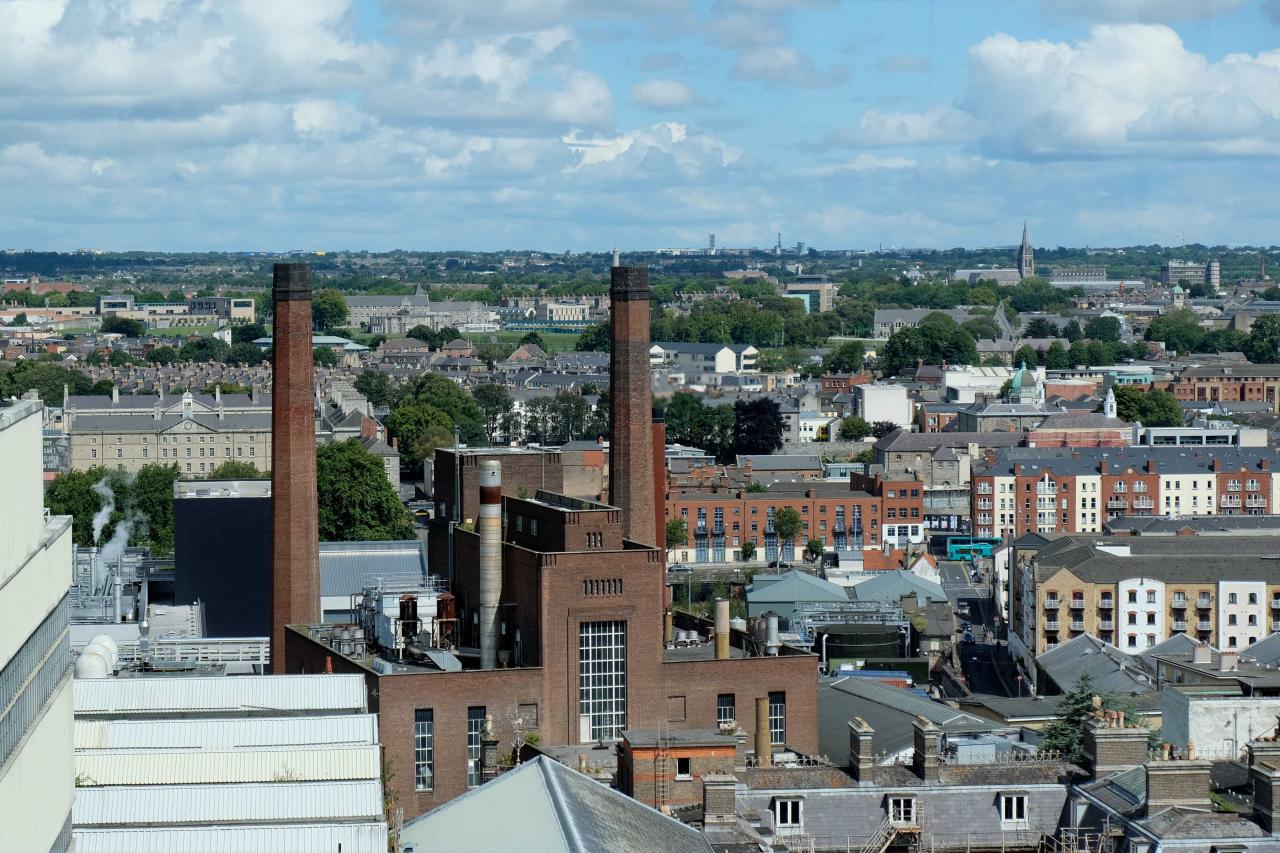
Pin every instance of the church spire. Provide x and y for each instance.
(1026, 255)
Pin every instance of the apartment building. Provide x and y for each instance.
(1136, 592)
(704, 358)
(1065, 490)
(863, 513)
(233, 309)
(1246, 382)
(197, 432)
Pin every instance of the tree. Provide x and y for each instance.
(597, 338)
(903, 350)
(535, 339)
(144, 500)
(1178, 330)
(420, 429)
(204, 349)
(982, 328)
(425, 334)
(71, 493)
(123, 326)
(1056, 357)
(447, 396)
(1224, 340)
(787, 524)
(1152, 407)
(1025, 355)
(46, 378)
(163, 354)
(814, 548)
(1065, 735)
(324, 356)
(1072, 331)
(328, 309)
(20, 319)
(102, 388)
(357, 502)
(496, 404)
(1263, 346)
(854, 428)
(151, 498)
(846, 358)
(1103, 329)
(1040, 327)
(245, 353)
(757, 426)
(748, 550)
(375, 386)
(677, 533)
(247, 333)
(692, 422)
(227, 388)
(234, 469)
(880, 429)
(120, 358)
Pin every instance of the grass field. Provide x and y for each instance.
(182, 331)
(555, 341)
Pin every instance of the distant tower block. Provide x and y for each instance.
(712, 242)
(631, 486)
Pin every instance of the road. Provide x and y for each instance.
(986, 663)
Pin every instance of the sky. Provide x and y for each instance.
(188, 125)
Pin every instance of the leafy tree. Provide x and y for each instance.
(757, 426)
(846, 358)
(904, 349)
(324, 356)
(814, 548)
(1041, 327)
(375, 386)
(48, 380)
(1072, 331)
(204, 349)
(597, 338)
(123, 326)
(120, 358)
(1025, 355)
(1065, 735)
(426, 334)
(1103, 329)
(235, 469)
(144, 499)
(691, 421)
(1263, 346)
(1152, 407)
(1224, 340)
(20, 319)
(227, 388)
(787, 524)
(1056, 357)
(1178, 330)
(447, 396)
(102, 388)
(496, 404)
(982, 328)
(854, 428)
(535, 339)
(748, 550)
(247, 333)
(866, 456)
(165, 354)
(245, 353)
(357, 502)
(328, 309)
(71, 493)
(151, 497)
(420, 428)
(880, 429)
(677, 533)
(1200, 290)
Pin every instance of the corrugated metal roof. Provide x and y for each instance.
(228, 734)
(287, 838)
(185, 767)
(272, 802)
(212, 694)
(344, 566)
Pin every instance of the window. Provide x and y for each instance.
(902, 809)
(475, 725)
(119, 453)
(683, 770)
(1013, 808)
(787, 814)
(778, 717)
(1232, 598)
(602, 676)
(1231, 641)
(1231, 619)
(1133, 596)
(1133, 641)
(1151, 619)
(1253, 598)
(424, 749)
(726, 713)
(1253, 619)
(1151, 596)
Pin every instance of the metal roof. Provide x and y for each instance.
(187, 767)
(227, 734)
(346, 566)
(1111, 669)
(262, 694)
(272, 802)
(285, 838)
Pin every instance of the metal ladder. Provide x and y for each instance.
(663, 770)
(883, 837)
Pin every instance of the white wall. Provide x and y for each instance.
(37, 790)
(884, 403)
(1149, 605)
(1218, 726)
(1242, 634)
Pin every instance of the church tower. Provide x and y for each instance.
(1026, 255)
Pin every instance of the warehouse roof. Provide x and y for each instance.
(1077, 461)
(227, 734)
(347, 837)
(1110, 669)
(264, 695)
(889, 710)
(189, 767)
(345, 567)
(262, 802)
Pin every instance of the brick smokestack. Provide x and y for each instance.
(630, 398)
(295, 581)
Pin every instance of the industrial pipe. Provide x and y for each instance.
(764, 740)
(722, 629)
(773, 642)
(490, 529)
(668, 630)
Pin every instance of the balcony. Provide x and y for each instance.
(1233, 486)
(984, 488)
(1120, 487)
(1077, 604)
(1051, 625)
(717, 529)
(1117, 503)
(1275, 602)
(1179, 602)
(1255, 501)
(1144, 503)
(1106, 625)
(1179, 624)
(1046, 489)
(1106, 603)
(1229, 501)
(1139, 487)
(1275, 626)
(1204, 625)
(1204, 602)
(984, 503)
(1077, 626)
(1046, 504)
(1052, 603)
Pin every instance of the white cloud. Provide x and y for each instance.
(662, 94)
(937, 125)
(786, 65)
(1153, 11)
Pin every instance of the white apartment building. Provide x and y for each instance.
(37, 767)
(883, 402)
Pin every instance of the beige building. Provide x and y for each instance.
(197, 432)
(1135, 592)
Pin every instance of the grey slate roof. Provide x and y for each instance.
(150, 424)
(899, 441)
(1203, 525)
(890, 586)
(1172, 559)
(782, 462)
(1111, 669)
(889, 710)
(1265, 651)
(345, 565)
(1169, 460)
(545, 807)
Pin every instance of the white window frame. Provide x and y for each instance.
(687, 774)
(903, 809)
(424, 759)
(788, 813)
(1013, 811)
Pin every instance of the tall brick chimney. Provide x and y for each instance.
(295, 581)
(631, 476)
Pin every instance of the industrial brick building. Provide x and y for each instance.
(1239, 382)
(555, 620)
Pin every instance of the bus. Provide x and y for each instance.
(969, 547)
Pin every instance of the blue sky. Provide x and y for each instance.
(581, 124)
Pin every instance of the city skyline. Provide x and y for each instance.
(568, 125)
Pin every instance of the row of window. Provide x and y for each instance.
(165, 453)
(424, 746)
(788, 812)
(174, 439)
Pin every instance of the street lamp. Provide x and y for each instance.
(1019, 686)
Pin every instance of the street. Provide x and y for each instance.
(985, 663)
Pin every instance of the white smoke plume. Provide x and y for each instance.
(119, 540)
(102, 516)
